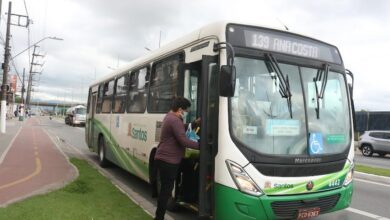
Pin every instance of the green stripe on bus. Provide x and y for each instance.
(327, 182)
(122, 157)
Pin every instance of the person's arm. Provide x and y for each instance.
(180, 135)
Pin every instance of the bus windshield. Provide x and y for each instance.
(261, 119)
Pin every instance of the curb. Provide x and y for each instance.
(144, 204)
(46, 188)
(372, 177)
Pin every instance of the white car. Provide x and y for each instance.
(375, 142)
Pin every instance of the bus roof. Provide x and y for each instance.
(213, 30)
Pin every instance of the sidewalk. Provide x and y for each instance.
(30, 163)
(12, 127)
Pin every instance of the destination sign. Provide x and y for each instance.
(282, 42)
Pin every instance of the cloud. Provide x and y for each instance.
(104, 33)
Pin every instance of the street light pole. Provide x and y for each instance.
(53, 38)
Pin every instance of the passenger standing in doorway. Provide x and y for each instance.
(171, 151)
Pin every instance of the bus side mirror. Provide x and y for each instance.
(227, 81)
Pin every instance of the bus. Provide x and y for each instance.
(276, 137)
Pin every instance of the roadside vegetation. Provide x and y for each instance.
(372, 170)
(90, 196)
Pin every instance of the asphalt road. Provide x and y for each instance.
(74, 138)
(370, 199)
(374, 161)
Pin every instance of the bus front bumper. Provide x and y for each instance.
(233, 204)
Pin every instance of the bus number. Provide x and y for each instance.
(260, 41)
(335, 183)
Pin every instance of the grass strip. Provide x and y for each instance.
(372, 170)
(90, 196)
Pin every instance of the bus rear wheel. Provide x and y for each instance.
(103, 162)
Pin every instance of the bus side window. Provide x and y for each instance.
(121, 89)
(108, 92)
(191, 89)
(100, 99)
(89, 100)
(165, 83)
(137, 91)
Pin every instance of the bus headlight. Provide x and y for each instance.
(242, 179)
(349, 177)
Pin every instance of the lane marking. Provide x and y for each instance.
(367, 214)
(38, 168)
(372, 182)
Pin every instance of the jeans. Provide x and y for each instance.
(168, 173)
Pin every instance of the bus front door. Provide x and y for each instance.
(209, 134)
(90, 122)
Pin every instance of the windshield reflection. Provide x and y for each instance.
(261, 117)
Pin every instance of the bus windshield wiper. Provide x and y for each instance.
(284, 83)
(322, 77)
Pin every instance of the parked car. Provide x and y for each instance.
(375, 142)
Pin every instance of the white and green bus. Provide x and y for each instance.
(277, 121)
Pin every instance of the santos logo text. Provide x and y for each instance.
(139, 134)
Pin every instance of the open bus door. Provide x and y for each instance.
(209, 134)
(90, 122)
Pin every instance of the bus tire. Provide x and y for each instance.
(103, 162)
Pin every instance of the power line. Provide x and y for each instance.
(28, 32)
(25, 6)
(1, 37)
(13, 63)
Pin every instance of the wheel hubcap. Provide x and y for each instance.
(366, 150)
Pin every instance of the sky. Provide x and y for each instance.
(101, 35)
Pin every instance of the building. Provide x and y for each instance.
(372, 120)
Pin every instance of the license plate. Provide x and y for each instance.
(308, 213)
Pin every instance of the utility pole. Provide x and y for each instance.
(5, 86)
(29, 83)
(1, 4)
(22, 106)
(5, 66)
(31, 75)
(23, 88)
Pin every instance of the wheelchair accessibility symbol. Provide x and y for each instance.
(316, 144)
